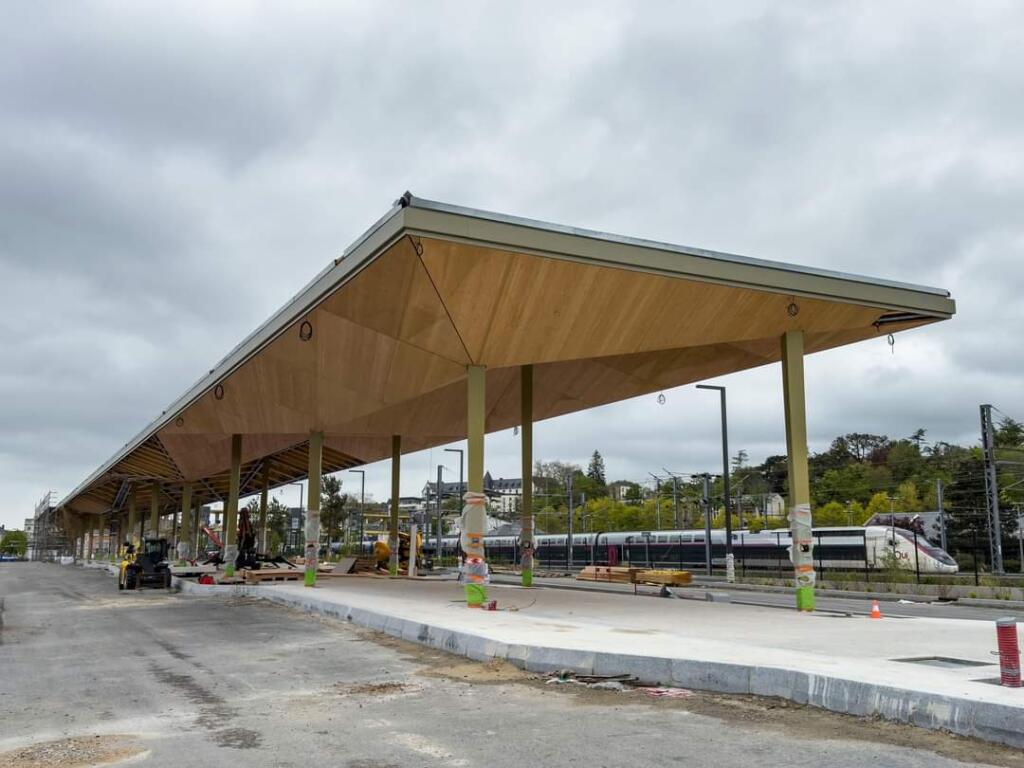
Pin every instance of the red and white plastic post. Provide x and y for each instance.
(1009, 652)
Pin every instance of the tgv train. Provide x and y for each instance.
(851, 548)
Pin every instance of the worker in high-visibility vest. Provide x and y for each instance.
(381, 554)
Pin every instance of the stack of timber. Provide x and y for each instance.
(617, 574)
(664, 578)
(620, 574)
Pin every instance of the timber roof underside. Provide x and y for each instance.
(384, 351)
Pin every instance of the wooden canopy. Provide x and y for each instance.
(377, 345)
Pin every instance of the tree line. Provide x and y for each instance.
(857, 476)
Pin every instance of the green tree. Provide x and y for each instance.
(585, 486)
(277, 526)
(595, 471)
(739, 461)
(909, 500)
(333, 506)
(14, 543)
(854, 482)
(832, 514)
(1009, 433)
(904, 460)
(879, 505)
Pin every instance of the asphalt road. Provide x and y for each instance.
(784, 600)
(90, 674)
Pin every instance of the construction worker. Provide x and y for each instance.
(381, 555)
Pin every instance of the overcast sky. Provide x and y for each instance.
(169, 177)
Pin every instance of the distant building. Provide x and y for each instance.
(504, 494)
(30, 533)
(619, 489)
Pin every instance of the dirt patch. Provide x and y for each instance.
(68, 753)
(489, 673)
(384, 688)
(237, 738)
(440, 664)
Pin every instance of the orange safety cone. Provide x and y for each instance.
(876, 613)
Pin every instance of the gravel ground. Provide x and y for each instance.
(91, 676)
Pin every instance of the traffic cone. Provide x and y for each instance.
(876, 613)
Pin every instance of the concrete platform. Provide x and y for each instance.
(840, 663)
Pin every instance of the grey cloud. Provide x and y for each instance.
(168, 177)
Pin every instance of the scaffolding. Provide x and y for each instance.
(47, 540)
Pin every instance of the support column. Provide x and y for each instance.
(476, 405)
(526, 433)
(799, 476)
(264, 491)
(88, 546)
(154, 510)
(132, 518)
(396, 476)
(185, 533)
(316, 449)
(231, 506)
(474, 509)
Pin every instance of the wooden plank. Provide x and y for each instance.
(663, 578)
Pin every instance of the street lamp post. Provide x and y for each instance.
(657, 500)
(730, 563)
(461, 456)
(439, 499)
(362, 501)
(302, 510)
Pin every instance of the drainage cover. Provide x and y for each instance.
(945, 661)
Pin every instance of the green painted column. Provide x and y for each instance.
(526, 433)
(799, 475)
(396, 491)
(154, 511)
(231, 506)
(185, 535)
(316, 449)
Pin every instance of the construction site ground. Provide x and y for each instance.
(95, 676)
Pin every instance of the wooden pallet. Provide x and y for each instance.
(272, 574)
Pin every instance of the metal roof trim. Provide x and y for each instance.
(501, 218)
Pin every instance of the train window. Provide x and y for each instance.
(699, 539)
(662, 539)
(687, 537)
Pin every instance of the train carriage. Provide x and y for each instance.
(838, 548)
